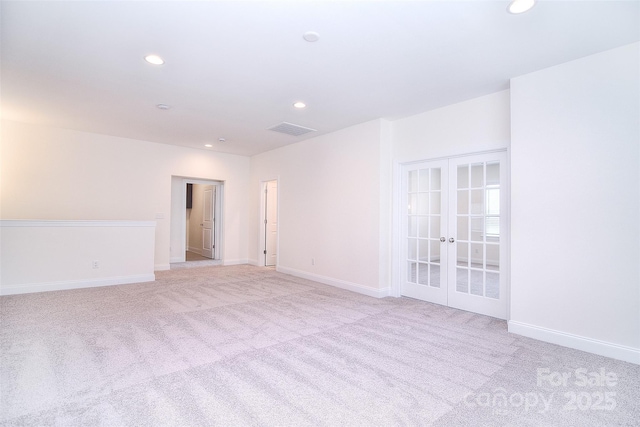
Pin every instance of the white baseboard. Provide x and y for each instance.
(75, 284)
(342, 284)
(161, 267)
(195, 250)
(235, 261)
(254, 262)
(176, 259)
(602, 348)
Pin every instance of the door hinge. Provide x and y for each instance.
(265, 252)
(265, 221)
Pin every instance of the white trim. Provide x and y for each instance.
(254, 262)
(602, 348)
(235, 261)
(73, 223)
(75, 284)
(183, 218)
(342, 284)
(176, 259)
(455, 156)
(162, 267)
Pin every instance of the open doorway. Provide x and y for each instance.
(269, 231)
(202, 218)
(197, 229)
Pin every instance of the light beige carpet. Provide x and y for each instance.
(242, 345)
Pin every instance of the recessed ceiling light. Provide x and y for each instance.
(222, 140)
(208, 145)
(311, 36)
(299, 104)
(163, 106)
(520, 6)
(154, 59)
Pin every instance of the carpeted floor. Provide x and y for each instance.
(242, 345)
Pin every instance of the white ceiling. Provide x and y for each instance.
(234, 68)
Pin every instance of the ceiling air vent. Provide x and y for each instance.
(291, 129)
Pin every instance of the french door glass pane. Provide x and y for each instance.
(477, 202)
(493, 257)
(413, 204)
(462, 280)
(423, 226)
(463, 228)
(477, 229)
(493, 174)
(434, 277)
(435, 227)
(477, 175)
(492, 229)
(463, 176)
(423, 274)
(423, 250)
(477, 285)
(435, 251)
(462, 255)
(463, 202)
(493, 285)
(435, 202)
(477, 255)
(412, 222)
(436, 179)
(411, 272)
(412, 249)
(424, 180)
(423, 203)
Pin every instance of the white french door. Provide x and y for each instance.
(454, 221)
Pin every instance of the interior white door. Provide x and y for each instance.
(425, 230)
(208, 221)
(271, 223)
(454, 226)
(477, 226)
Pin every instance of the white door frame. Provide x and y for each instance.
(262, 259)
(218, 215)
(397, 232)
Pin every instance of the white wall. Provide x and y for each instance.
(479, 124)
(53, 255)
(330, 202)
(576, 204)
(50, 173)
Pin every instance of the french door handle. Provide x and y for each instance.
(451, 240)
(443, 239)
